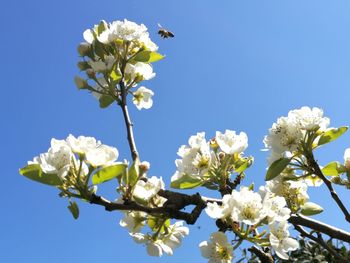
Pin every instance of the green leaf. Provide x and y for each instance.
(101, 27)
(333, 169)
(147, 56)
(242, 164)
(186, 182)
(34, 172)
(74, 209)
(105, 101)
(309, 209)
(331, 135)
(276, 168)
(155, 223)
(132, 175)
(108, 173)
(211, 185)
(115, 75)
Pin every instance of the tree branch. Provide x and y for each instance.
(319, 227)
(171, 208)
(319, 240)
(316, 169)
(263, 256)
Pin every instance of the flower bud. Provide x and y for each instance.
(84, 49)
(81, 83)
(91, 73)
(83, 65)
(144, 166)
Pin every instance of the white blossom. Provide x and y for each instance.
(196, 157)
(133, 221)
(232, 143)
(57, 160)
(294, 192)
(102, 155)
(313, 180)
(146, 190)
(82, 144)
(220, 211)
(280, 240)
(103, 65)
(309, 119)
(140, 69)
(247, 206)
(217, 249)
(165, 242)
(143, 98)
(276, 208)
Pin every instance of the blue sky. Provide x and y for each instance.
(232, 65)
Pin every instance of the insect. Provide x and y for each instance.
(164, 33)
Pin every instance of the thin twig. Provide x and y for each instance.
(317, 170)
(127, 120)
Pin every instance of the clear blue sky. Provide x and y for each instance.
(233, 64)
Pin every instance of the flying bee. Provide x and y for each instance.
(164, 33)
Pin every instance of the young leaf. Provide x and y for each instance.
(132, 175)
(276, 168)
(333, 169)
(331, 135)
(74, 209)
(108, 173)
(186, 182)
(147, 56)
(242, 164)
(105, 101)
(309, 209)
(34, 172)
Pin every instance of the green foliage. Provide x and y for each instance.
(333, 169)
(242, 164)
(34, 172)
(147, 56)
(186, 182)
(331, 135)
(108, 173)
(105, 101)
(276, 168)
(74, 209)
(132, 175)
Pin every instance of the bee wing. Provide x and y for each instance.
(159, 25)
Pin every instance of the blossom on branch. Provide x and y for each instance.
(143, 98)
(217, 249)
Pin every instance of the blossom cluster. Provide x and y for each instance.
(203, 160)
(60, 158)
(117, 53)
(288, 132)
(246, 209)
(163, 238)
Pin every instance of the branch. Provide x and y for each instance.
(319, 227)
(319, 240)
(127, 120)
(312, 162)
(171, 208)
(263, 256)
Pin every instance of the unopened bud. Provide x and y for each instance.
(84, 49)
(83, 65)
(144, 166)
(213, 144)
(336, 180)
(221, 155)
(91, 73)
(80, 82)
